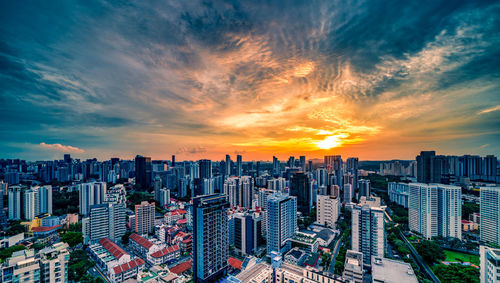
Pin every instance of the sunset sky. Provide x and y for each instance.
(201, 79)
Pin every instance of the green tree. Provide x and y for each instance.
(79, 264)
(125, 237)
(456, 273)
(15, 229)
(72, 238)
(469, 208)
(430, 251)
(7, 252)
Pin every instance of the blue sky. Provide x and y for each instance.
(374, 79)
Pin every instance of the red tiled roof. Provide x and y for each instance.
(165, 251)
(236, 263)
(182, 221)
(466, 222)
(127, 266)
(141, 241)
(112, 248)
(182, 267)
(45, 229)
(187, 240)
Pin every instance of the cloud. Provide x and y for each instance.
(61, 148)
(488, 110)
(192, 150)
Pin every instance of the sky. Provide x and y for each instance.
(200, 79)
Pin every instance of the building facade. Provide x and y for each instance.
(489, 228)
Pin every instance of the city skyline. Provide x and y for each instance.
(373, 80)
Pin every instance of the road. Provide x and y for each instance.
(336, 249)
(419, 260)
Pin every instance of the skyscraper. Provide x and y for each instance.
(173, 160)
(247, 232)
(37, 200)
(144, 218)
(239, 165)
(424, 166)
(435, 210)
(490, 214)
(15, 203)
(239, 191)
(143, 171)
(303, 163)
(205, 168)
(227, 171)
(276, 166)
(90, 194)
(301, 189)
(157, 187)
(368, 234)
(333, 165)
(364, 188)
(352, 168)
(281, 221)
(210, 237)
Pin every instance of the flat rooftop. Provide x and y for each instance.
(392, 271)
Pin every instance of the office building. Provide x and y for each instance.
(386, 270)
(276, 166)
(490, 264)
(368, 234)
(334, 167)
(300, 188)
(210, 237)
(364, 188)
(247, 232)
(348, 192)
(157, 186)
(489, 227)
(90, 194)
(398, 193)
(353, 267)
(15, 203)
(144, 218)
(424, 170)
(435, 210)
(239, 166)
(143, 171)
(281, 221)
(328, 210)
(352, 168)
(276, 184)
(227, 169)
(205, 169)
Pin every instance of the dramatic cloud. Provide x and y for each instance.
(61, 148)
(370, 78)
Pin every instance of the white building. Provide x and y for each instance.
(328, 209)
(386, 270)
(490, 264)
(90, 194)
(490, 214)
(398, 193)
(435, 210)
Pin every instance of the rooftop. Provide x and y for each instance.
(112, 248)
(182, 267)
(236, 263)
(141, 241)
(127, 266)
(165, 251)
(392, 271)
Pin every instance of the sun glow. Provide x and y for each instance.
(331, 141)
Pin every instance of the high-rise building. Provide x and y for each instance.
(435, 210)
(164, 197)
(143, 171)
(490, 214)
(227, 170)
(45, 198)
(15, 203)
(276, 166)
(239, 165)
(352, 168)
(205, 168)
(173, 160)
(334, 166)
(348, 192)
(276, 184)
(144, 218)
(303, 163)
(281, 217)
(107, 220)
(364, 188)
(328, 210)
(31, 203)
(157, 187)
(90, 194)
(424, 171)
(54, 263)
(490, 264)
(247, 232)
(368, 234)
(398, 193)
(3, 217)
(210, 237)
(300, 188)
(239, 191)
(22, 266)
